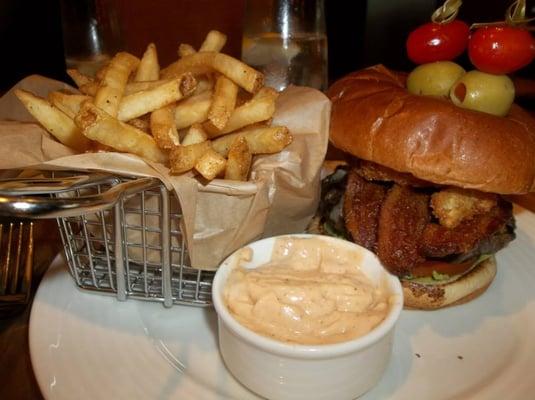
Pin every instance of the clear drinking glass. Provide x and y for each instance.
(91, 33)
(286, 40)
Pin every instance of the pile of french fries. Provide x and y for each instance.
(207, 112)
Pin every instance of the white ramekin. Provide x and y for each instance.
(278, 370)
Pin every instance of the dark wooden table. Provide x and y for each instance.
(17, 380)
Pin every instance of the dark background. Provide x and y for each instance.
(360, 33)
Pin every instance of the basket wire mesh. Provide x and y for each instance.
(134, 248)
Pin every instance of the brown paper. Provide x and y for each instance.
(220, 216)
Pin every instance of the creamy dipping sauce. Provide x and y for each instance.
(311, 292)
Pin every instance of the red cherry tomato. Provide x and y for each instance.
(437, 42)
(501, 49)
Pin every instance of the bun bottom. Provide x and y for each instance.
(462, 290)
(431, 297)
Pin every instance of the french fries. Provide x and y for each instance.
(223, 102)
(185, 50)
(98, 125)
(163, 128)
(203, 62)
(210, 164)
(101, 73)
(203, 85)
(149, 69)
(196, 63)
(184, 158)
(140, 103)
(86, 84)
(208, 113)
(214, 41)
(134, 87)
(56, 122)
(69, 104)
(260, 108)
(239, 160)
(142, 124)
(79, 78)
(196, 134)
(265, 140)
(239, 72)
(193, 110)
(111, 88)
(89, 89)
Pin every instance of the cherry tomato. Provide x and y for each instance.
(437, 42)
(501, 49)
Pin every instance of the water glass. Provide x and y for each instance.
(286, 40)
(91, 33)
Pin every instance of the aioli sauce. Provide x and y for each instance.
(311, 292)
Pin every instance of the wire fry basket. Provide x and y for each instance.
(121, 235)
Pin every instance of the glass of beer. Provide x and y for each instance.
(286, 40)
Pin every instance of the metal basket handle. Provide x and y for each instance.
(50, 185)
(23, 198)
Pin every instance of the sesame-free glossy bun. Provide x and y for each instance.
(376, 119)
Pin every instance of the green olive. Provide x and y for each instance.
(434, 79)
(484, 92)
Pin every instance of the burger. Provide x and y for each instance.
(423, 184)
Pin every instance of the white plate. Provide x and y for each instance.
(87, 346)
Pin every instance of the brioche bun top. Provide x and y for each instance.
(376, 119)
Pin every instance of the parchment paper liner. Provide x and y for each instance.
(220, 216)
